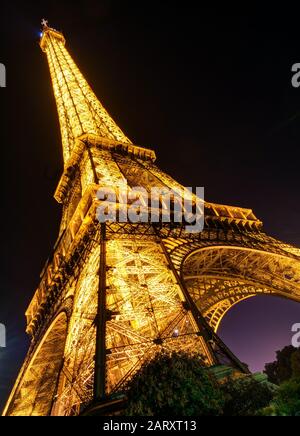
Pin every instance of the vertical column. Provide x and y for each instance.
(100, 356)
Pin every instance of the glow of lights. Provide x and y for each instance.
(143, 295)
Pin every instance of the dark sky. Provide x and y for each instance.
(208, 89)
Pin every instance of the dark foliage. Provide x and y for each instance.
(177, 384)
(245, 396)
(286, 401)
(174, 384)
(282, 369)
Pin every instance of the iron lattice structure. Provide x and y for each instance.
(113, 295)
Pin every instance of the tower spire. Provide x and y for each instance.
(79, 110)
(44, 23)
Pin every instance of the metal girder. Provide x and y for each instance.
(144, 313)
(78, 108)
(220, 277)
(34, 394)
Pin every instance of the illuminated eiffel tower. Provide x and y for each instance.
(114, 294)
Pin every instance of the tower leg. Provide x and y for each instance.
(100, 355)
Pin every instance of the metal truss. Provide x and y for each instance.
(145, 313)
(78, 108)
(220, 277)
(35, 393)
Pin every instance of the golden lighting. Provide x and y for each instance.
(153, 277)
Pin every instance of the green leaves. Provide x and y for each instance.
(287, 400)
(177, 384)
(174, 384)
(246, 396)
(287, 361)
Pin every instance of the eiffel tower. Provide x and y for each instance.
(114, 294)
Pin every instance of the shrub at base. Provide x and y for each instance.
(174, 384)
(245, 396)
(286, 401)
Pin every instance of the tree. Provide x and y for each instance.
(295, 362)
(281, 370)
(174, 384)
(285, 372)
(286, 401)
(245, 396)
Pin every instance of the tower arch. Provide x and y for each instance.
(219, 277)
(36, 390)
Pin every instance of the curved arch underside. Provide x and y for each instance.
(35, 395)
(220, 277)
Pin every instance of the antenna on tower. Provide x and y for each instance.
(44, 23)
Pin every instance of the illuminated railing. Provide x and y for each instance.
(54, 271)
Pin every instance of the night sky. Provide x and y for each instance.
(208, 89)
